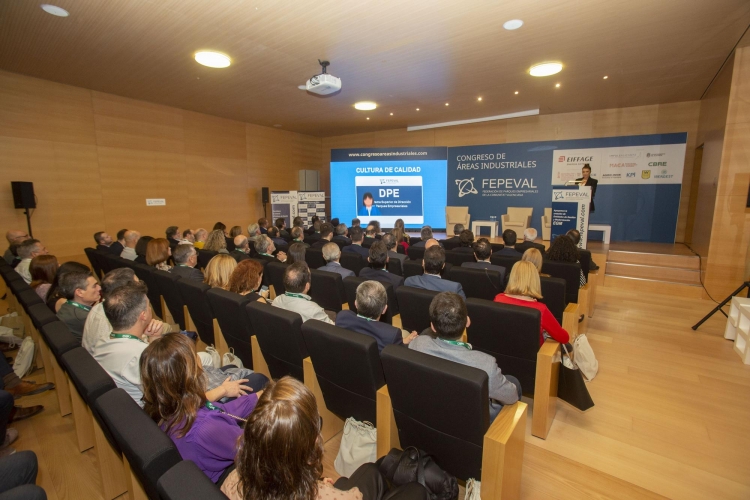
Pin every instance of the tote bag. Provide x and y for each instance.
(571, 387)
(584, 357)
(24, 358)
(231, 359)
(358, 446)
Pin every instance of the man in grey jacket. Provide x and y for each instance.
(297, 284)
(332, 254)
(448, 319)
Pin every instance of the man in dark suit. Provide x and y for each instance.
(281, 226)
(185, 259)
(451, 243)
(357, 235)
(341, 237)
(117, 247)
(433, 263)
(315, 235)
(483, 252)
(311, 229)
(173, 237)
(390, 244)
(103, 241)
(378, 260)
(509, 239)
(298, 236)
(263, 225)
(370, 236)
(529, 235)
(332, 254)
(241, 248)
(273, 233)
(326, 235)
(465, 242)
(424, 235)
(265, 249)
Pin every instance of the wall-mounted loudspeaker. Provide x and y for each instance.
(23, 194)
(266, 196)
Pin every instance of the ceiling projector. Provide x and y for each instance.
(322, 84)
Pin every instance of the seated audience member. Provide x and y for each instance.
(326, 235)
(117, 246)
(281, 226)
(399, 234)
(298, 236)
(55, 297)
(81, 291)
(355, 222)
(14, 237)
(529, 235)
(341, 235)
(234, 232)
(216, 242)
(509, 240)
(173, 237)
(456, 238)
(158, 253)
(295, 299)
(483, 252)
(432, 263)
(315, 234)
(131, 240)
(298, 222)
(273, 233)
(575, 235)
(524, 289)
(185, 259)
(103, 241)
(246, 279)
(332, 254)
(370, 235)
(535, 257)
(466, 242)
(297, 252)
(564, 250)
(27, 250)
(43, 269)
(378, 267)
(390, 243)
(425, 234)
(335, 222)
(311, 229)
(175, 397)
(218, 271)
(253, 231)
(141, 248)
(371, 303)
(11, 383)
(188, 237)
(263, 225)
(228, 242)
(357, 237)
(200, 238)
(265, 249)
(448, 320)
(241, 248)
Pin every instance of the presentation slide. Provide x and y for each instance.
(389, 184)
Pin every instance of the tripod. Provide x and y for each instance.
(723, 303)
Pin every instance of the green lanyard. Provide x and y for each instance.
(212, 407)
(267, 255)
(220, 410)
(79, 306)
(114, 335)
(296, 295)
(457, 342)
(365, 317)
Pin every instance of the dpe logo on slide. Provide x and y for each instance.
(465, 186)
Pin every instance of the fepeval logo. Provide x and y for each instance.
(645, 174)
(465, 186)
(559, 195)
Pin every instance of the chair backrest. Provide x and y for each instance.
(416, 253)
(327, 290)
(553, 296)
(274, 271)
(450, 244)
(477, 283)
(193, 294)
(548, 213)
(8, 273)
(94, 260)
(510, 334)
(229, 310)
(18, 285)
(456, 215)
(458, 258)
(352, 261)
(414, 240)
(168, 288)
(146, 274)
(58, 338)
(102, 256)
(280, 338)
(314, 258)
(204, 256)
(348, 368)
(453, 434)
(412, 268)
(414, 304)
(570, 272)
(519, 213)
(584, 257)
(149, 451)
(28, 298)
(350, 287)
(184, 481)
(506, 261)
(87, 375)
(41, 315)
(394, 267)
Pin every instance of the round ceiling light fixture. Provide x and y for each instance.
(513, 24)
(545, 69)
(212, 59)
(54, 10)
(365, 105)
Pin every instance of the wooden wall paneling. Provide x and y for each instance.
(217, 191)
(551, 127)
(214, 137)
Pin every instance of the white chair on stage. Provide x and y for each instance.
(547, 224)
(456, 215)
(517, 219)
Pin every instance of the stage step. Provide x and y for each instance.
(654, 259)
(680, 275)
(653, 286)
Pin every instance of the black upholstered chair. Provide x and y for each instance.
(570, 272)
(19, 285)
(193, 295)
(412, 268)
(27, 298)
(204, 256)
(510, 334)
(506, 261)
(185, 481)
(229, 310)
(553, 296)
(477, 283)
(352, 261)
(8, 273)
(350, 287)
(457, 258)
(95, 262)
(58, 338)
(149, 451)
(450, 244)
(274, 272)
(347, 365)
(413, 240)
(416, 253)
(394, 267)
(327, 290)
(279, 336)
(584, 257)
(314, 258)
(41, 315)
(414, 304)
(168, 287)
(146, 274)
(87, 375)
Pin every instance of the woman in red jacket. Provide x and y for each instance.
(523, 290)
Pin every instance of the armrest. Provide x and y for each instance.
(386, 423)
(570, 319)
(545, 388)
(259, 362)
(332, 424)
(502, 453)
(528, 223)
(584, 300)
(221, 345)
(504, 218)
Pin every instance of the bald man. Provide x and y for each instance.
(14, 237)
(241, 248)
(131, 239)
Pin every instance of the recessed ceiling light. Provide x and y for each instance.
(391, 114)
(513, 24)
(557, 85)
(605, 77)
(479, 98)
(516, 92)
(447, 104)
(365, 105)
(417, 109)
(545, 69)
(212, 59)
(54, 10)
(368, 117)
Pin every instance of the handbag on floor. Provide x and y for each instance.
(473, 488)
(571, 387)
(414, 465)
(358, 446)
(24, 358)
(216, 359)
(231, 359)
(584, 357)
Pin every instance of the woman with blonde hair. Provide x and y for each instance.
(157, 254)
(534, 256)
(218, 271)
(246, 280)
(524, 289)
(216, 242)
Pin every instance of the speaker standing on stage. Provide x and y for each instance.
(587, 180)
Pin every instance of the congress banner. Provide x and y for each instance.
(290, 204)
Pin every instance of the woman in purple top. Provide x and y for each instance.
(174, 393)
